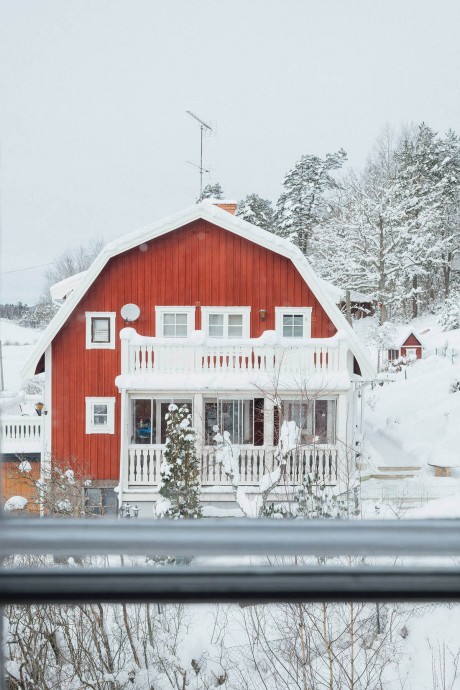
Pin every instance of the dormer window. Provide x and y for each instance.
(100, 330)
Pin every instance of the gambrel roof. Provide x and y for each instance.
(211, 213)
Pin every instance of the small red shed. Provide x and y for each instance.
(407, 344)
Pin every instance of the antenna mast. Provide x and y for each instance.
(203, 126)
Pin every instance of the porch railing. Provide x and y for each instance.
(21, 434)
(144, 466)
(198, 354)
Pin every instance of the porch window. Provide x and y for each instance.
(243, 419)
(148, 425)
(316, 420)
(393, 354)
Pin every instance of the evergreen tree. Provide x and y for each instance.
(257, 211)
(302, 206)
(449, 315)
(180, 470)
(211, 191)
(318, 501)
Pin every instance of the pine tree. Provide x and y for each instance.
(318, 501)
(211, 191)
(449, 315)
(180, 470)
(302, 206)
(257, 211)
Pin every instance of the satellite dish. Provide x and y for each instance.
(130, 312)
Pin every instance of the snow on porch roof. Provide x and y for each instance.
(227, 221)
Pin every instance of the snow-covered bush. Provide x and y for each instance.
(316, 501)
(449, 314)
(180, 469)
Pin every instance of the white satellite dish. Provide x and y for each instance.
(130, 312)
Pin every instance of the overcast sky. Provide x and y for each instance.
(94, 135)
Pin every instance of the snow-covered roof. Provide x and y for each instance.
(338, 294)
(62, 289)
(215, 215)
(402, 333)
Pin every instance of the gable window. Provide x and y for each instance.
(293, 322)
(174, 322)
(100, 330)
(100, 415)
(226, 322)
(316, 419)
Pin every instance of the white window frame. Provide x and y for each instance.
(111, 315)
(159, 320)
(294, 311)
(226, 311)
(92, 428)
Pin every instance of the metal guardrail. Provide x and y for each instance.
(207, 539)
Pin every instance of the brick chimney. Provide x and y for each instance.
(225, 204)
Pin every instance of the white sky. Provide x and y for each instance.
(94, 135)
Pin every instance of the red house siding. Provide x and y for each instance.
(199, 264)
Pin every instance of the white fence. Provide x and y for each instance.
(144, 463)
(142, 355)
(21, 434)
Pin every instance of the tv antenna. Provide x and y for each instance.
(203, 127)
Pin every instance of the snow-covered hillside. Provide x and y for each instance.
(17, 343)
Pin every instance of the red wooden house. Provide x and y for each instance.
(232, 321)
(407, 344)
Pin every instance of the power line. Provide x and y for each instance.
(29, 268)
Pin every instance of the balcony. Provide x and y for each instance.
(198, 361)
(144, 463)
(21, 434)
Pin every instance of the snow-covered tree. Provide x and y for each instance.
(449, 314)
(302, 206)
(180, 470)
(257, 210)
(71, 261)
(39, 315)
(211, 191)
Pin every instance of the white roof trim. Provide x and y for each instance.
(227, 221)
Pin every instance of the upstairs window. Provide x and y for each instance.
(174, 322)
(226, 322)
(100, 415)
(293, 322)
(100, 330)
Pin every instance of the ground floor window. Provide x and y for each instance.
(101, 501)
(393, 354)
(243, 419)
(148, 423)
(316, 419)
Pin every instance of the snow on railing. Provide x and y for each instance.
(21, 434)
(197, 354)
(144, 463)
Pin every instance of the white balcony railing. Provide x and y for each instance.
(198, 354)
(144, 465)
(21, 434)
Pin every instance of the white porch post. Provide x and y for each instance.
(198, 421)
(269, 422)
(124, 442)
